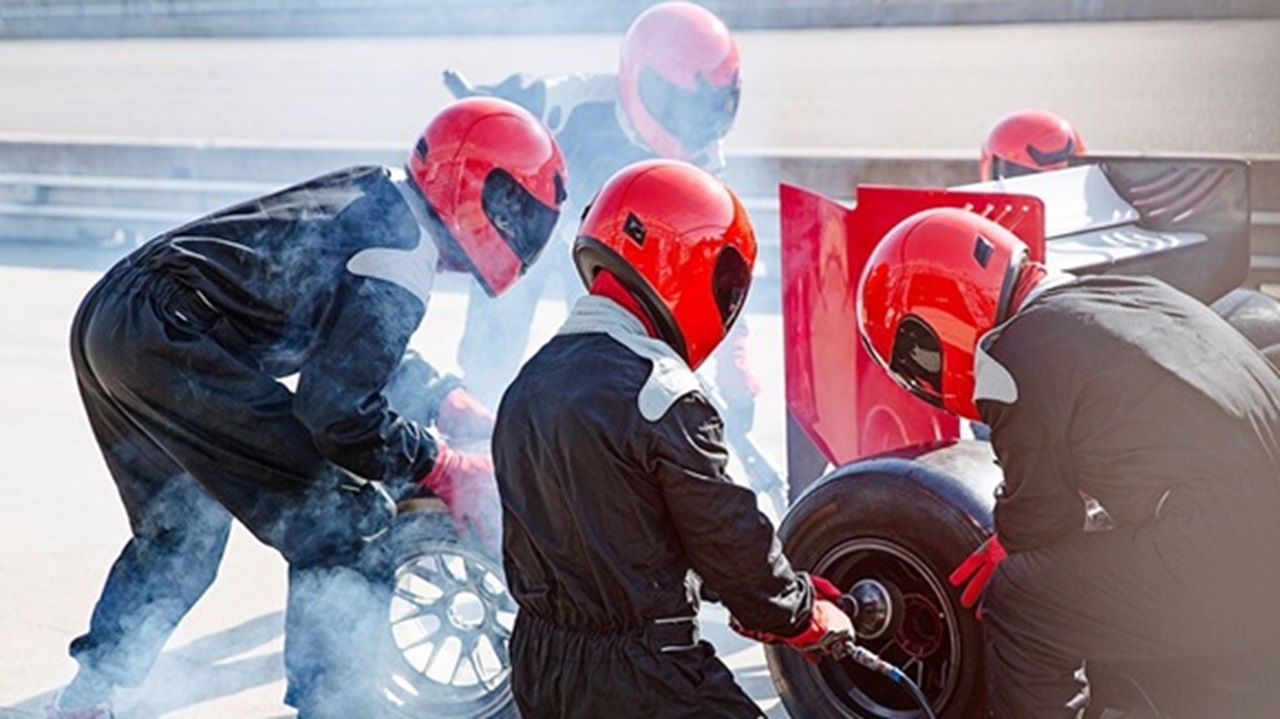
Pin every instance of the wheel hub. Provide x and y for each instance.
(902, 617)
(451, 617)
(875, 611)
(466, 611)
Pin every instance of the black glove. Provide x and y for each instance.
(416, 390)
(457, 85)
(524, 90)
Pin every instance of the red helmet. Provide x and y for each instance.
(679, 240)
(678, 79)
(1028, 141)
(936, 283)
(493, 179)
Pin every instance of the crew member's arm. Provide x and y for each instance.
(419, 392)
(732, 545)
(523, 89)
(341, 394)
(1038, 502)
(550, 99)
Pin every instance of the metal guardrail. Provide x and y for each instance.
(99, 194)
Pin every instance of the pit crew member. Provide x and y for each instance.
(610, 461)
(1121, 388)
(675, 95)
(178, 352)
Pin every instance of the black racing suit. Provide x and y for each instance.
(611, 465)
(583, 113)
(178, 352)
(1141, 397)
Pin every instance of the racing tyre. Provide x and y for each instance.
(446, 651)
(907, 524)
(1255, 315)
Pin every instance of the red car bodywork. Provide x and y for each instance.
(844, 403)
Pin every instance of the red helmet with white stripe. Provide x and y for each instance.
(680, 241)
(1028, 141)
(933, 286)
(493, 179)
(678, 79)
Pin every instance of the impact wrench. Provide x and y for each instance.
(865, 657)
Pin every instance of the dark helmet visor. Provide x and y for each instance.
(695, 117)
(917, 360)
(519, 217)
(1002, 169)
(730, 279)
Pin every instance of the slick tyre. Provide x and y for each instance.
(908, 524)
(446, 650)
(1255, 315)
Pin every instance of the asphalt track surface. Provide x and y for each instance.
(1153, 87)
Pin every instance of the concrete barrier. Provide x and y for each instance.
(95, 194)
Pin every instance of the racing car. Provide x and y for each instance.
(908, 492)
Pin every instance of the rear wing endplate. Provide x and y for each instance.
(1183, 220)
(838, 396)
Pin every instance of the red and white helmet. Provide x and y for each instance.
(493, 179)
(935, 284)
(680, 241)
(1028, 141)
(678, 80)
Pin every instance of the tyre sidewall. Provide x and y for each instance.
(901, 511)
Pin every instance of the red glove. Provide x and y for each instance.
(466, 484)
(976, 570)
(829, 632)
(462, 417)
(823, 588)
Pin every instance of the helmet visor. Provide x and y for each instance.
(916, 360)
(519, 217)
(695, 117)
(730, 280)
(1002, 169)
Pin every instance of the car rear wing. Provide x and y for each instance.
(844, 404)
(1183, 220)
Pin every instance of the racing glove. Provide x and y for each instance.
(466, 484)
(824, 588)
(975, 572)
(828, 634)
(461, 417)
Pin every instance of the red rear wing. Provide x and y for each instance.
(837, 395)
